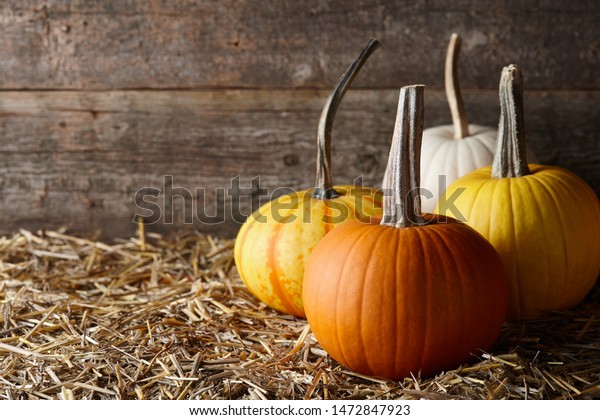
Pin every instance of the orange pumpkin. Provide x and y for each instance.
(410, 293)
(273, 245)
(543, 220)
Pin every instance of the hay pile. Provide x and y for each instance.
(151, 318)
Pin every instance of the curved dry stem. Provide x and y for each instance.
(510, 159)
(402, 201)
(457, 106)
(324, 183)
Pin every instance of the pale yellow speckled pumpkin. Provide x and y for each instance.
(273, 245)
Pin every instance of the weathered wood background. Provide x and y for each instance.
(99, 98)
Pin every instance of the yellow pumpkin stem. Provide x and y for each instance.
(324, 183)
(510, 159)
(401, 182)
(457, 106)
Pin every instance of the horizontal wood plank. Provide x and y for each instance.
(98, 44)
(76, 159)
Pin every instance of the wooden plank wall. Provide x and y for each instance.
(99, 98)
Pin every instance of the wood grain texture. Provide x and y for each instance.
(77, 158)
(157, 44)
(99, 98)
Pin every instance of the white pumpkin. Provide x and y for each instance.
(451, 151)
(443, 155)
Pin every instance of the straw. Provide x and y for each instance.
(151, 318)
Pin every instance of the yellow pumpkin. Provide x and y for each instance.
(544, 221)
(273, 245)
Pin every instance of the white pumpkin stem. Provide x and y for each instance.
(457, 106)
(510, 159)
(402, 201)
(324, 183)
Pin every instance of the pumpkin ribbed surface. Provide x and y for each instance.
(546, 228)
(274, 244)
(441, 154)
(442, 300)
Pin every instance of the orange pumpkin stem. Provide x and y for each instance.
(457, 106)
(510, 159)
(401, 182)
(324, 183)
